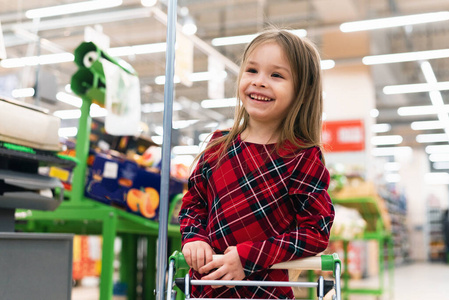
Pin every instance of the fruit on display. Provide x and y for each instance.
(148, 209)
(146, 202)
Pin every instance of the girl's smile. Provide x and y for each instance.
(260, 97)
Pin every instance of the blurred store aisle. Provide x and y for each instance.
(422, 281)
(418, 281)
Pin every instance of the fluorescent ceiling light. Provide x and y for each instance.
(189, 26)
(211, 125)
(158, 107)
(160, 80)
(69, 57)
(327, 64)
(157, 139)
(394, 21)
(392, 151)
(179, 150)
(379, 128)
(204, 137)
(244, 39)
(159, 130)
(427, 70)
(406, 56)
(441, 165)
(138, 49)
(205, 76)
(69, 99)
(426, 125)
(415, 88)
(95, 112)
(374, 113)
(183, 123)
(216, 103)
(194, 77)
(437, 178)
(386, 140)
(22, 93)
(420, 110)
(434, 157)
(435, 96)
(432, 138)
(67, 131)
(186, 160)
(71, 8)
(437, 149)
(37, 60)
(68, 114)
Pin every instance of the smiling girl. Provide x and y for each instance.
(258, 193)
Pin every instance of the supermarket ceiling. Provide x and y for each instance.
(133, 24)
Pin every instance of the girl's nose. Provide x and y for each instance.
(259, 81)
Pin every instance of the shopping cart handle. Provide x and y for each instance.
(320, 262)
(325, 262)
(308, 263)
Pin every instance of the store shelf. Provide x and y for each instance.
(436, 246)
(373, 210)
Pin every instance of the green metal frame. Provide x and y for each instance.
(376, 230)
(328, 263)
(81, 215)
(92, 218)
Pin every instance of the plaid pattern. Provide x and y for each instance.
(273, 207)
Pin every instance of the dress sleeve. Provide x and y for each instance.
(314, 217)
(194, 210)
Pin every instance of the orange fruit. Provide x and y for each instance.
(135, 199)
(148, 209)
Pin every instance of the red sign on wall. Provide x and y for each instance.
(340, 136)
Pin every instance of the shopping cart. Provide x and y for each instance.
(177, 265)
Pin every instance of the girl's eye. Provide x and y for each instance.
(277, 75)
(251, 70)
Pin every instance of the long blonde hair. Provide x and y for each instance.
(302, 125)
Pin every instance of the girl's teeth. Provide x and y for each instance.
(260, 98)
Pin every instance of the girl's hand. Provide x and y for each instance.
(228, 267)
(197, 254)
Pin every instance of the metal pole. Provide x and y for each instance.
(166, 149)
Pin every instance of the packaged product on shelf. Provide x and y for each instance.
(348, 223)
(123, 183)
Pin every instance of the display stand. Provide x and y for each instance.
(25, 256)
(377, 229)
(81, 215)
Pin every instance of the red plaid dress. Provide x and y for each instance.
(273, 206)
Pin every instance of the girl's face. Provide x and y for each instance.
(266, 85)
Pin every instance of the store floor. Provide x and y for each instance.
(418, 281)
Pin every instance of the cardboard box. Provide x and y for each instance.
(121, 182)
